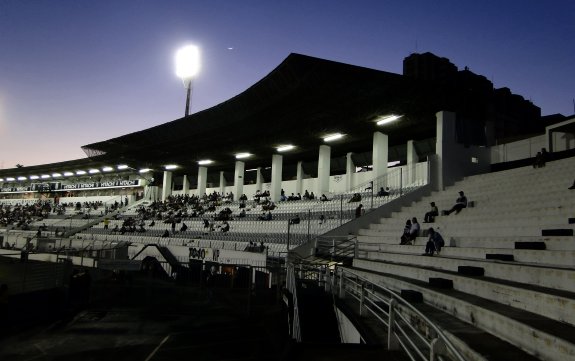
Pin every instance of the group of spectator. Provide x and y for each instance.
(435, 241)
(22, 215)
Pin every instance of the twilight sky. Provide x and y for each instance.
(74, 72)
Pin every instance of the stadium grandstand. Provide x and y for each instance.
(297, 192)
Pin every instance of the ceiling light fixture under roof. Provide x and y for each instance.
(332, 137)
(243, 155)
(144, 170)
(22, 178)
(171, 166)
(205, 162)
(1, 179)
(45, 176)
(388, 119)
(10, 179)
(285, 148)
(34, 177)
(68, 174)
(80, 172)
(122, 166)
(93, 171)
(56, 175)
(107, 169)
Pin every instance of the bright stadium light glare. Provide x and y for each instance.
(145, 170)
(34, 177)
(187, 67)
(56, 175)
(68, 174)
(285, 148)
(332, 137)
(107, 169)
(45, 176)
(21, 178)
(1, 179)
(171, 166)
(10, 179)
(243, 155)
(80, 172)
(122, 166)
(205, 162)
(94, 171)
(388, 119)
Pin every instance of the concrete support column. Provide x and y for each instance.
(259, 179)
(411, 162)
(349, 171)
(239, 179)
(185, 185)
(202, 180)
(222, 183)
(277, 164)
(380, 155)
(167, 185)
(299, 178)
(445, 146)
(323, 168)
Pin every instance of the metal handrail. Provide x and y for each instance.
(291, 285)
(397, 322)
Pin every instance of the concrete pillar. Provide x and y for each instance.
(349, 171)
(259, 179)
(202, 180)
(277, 164)
(380, 156)
(445, 146)
(185, 185)
(167, 185)
(222, 183)
(411, 162)
(239, 179)
(299, 178)
(323, 168)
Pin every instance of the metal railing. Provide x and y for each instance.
(407, 328)
(291, 285)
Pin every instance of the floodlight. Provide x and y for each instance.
(388, 119)
(332, 137)
(1, 179)
(205, 162)
(80, 172)
(107, 169)
(22, 178)
(145, 170)
(34, 177)
(171, 166)
(68, 174)
(285, 148)
(10, 179)
(94, 171)
(188, 62)
(243, 155)
(56, 175)
(122, 166)
(45, 176)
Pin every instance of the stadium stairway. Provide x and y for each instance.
(507, 268)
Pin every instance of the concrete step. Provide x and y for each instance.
(539, 336)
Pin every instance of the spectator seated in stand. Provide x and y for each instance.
(383, 192)
(430, 216)
(355, 198)
(460, 203)
(405, 234)
(225, 226)
(295, 220)
(166, 234)
(434, 243)
(323, 198)
(183, 228)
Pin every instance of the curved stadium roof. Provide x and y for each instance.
(300, 101)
